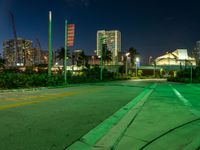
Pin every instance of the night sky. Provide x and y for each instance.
(152, 27)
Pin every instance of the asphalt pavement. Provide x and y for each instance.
(166, 117)
(47, 119)
(122, 115)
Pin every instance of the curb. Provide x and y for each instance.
(22, 90)
(93, 136)
(54, 87)
(194, 145)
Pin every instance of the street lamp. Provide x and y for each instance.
(136, 65)
(93, 60)
(191, 72)
(154, 68)
(150, 60)
(102, 41)
(127, 54)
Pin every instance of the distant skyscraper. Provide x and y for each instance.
(196, 52)
(112, 41)
(24, 56)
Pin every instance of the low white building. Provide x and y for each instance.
(176, 58)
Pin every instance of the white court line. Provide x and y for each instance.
(185, 101)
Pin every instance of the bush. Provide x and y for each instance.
(16, 79)
(184, 76)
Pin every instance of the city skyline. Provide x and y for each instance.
(151, 27)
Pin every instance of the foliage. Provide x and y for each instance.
(61, 54)
(106, 54)
(133, 54)
(2, 62)
(82, 59)
(140, 73)
(185, 76)
(14, 78)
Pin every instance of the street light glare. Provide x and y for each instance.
(137, 59)
(127, 54)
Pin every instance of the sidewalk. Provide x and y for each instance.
(157, 121)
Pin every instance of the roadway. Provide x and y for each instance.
(54, 118)
(49, 119)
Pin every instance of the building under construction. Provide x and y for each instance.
(23, 55)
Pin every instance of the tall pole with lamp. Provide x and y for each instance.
(136, 65)
(127, 54)
(65, 53)
(191, 68)
(50, 45)
(101, 59)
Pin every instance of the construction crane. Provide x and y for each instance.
(17, 58)
(38, 44)
(37, 54)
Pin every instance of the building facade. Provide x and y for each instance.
(179, 57)
(112, 40)
(23, 55)
(196, 52)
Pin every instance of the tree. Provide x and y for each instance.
(133, 54)
(107, 55)
(2, 62)
(82, 59)
(61, 54)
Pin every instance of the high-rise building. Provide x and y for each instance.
(23, 55)
(196, 52)
(112, 40)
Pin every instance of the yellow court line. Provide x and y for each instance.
(48, 97)
(17, 104)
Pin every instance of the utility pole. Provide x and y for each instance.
(101, 60)
(137, 61)
(126, 65)
(154, 69)
(65, 53)
(50, 44)
(191, 72)
(127, 54)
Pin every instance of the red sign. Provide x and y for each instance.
(70, 35)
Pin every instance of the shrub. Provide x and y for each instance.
(16, 79)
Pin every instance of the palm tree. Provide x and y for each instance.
(133, 54)
(82, 59)
(61, 54)
(2, 62)
(107, 55)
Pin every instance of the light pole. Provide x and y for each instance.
(136, 65)
(50, 44)
(65, 53)
(150, 60)
(93, 60)
(101, 60)
(127, 54)
(154, 69)
(191, 72)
